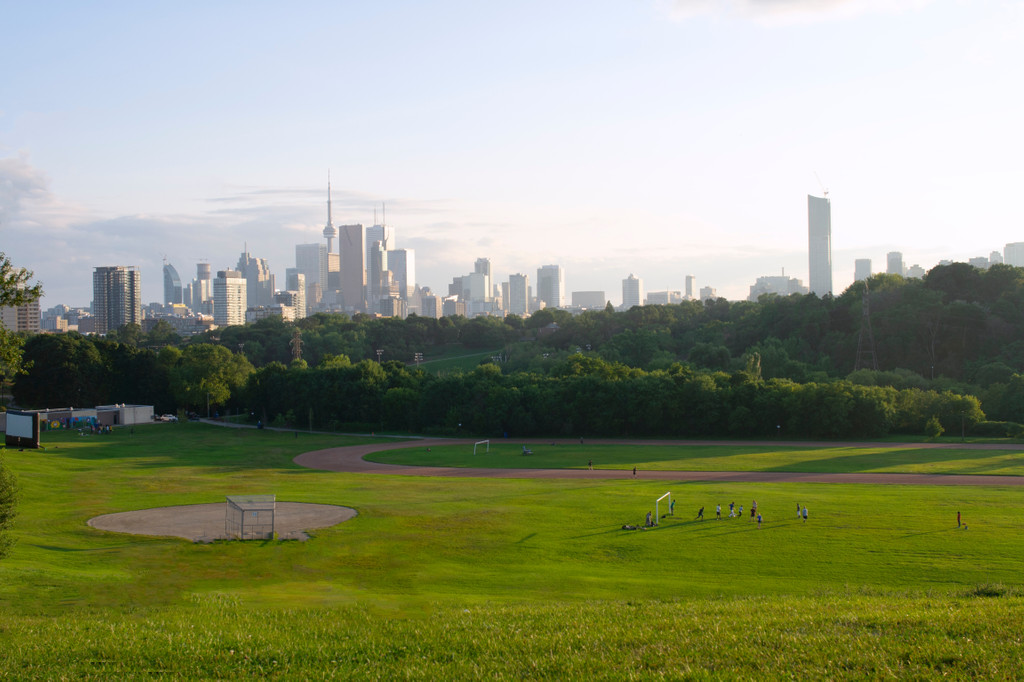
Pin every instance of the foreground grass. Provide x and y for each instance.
(880, 458)
(829, 636)
(469, 578)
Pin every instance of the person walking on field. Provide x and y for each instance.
(798, 510)
(732, 509)
(700, 514)
(718, 512)
(958, 519)
(759, 522)
(634, 472)
(672, 508)
(805, 513)
(590, 464)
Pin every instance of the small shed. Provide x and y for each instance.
(250, 517)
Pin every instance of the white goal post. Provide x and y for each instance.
(656, 514)
(485, 443)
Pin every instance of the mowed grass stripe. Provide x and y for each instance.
(883, 458)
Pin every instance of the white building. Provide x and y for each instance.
(664, 297)
(632, 291)
(229, 298)
(777, 284)
(1013, 254)
(819, 244)
(861, 269)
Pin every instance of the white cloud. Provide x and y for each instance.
(777, 12)
(19, 183)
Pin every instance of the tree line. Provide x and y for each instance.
(947, 347)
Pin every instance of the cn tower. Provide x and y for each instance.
(329, 232)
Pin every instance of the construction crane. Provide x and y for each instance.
(824, 190)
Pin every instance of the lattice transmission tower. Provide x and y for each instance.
(866, 358)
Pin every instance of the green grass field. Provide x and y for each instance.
(456, 359)
(469, 578)
(881, 458)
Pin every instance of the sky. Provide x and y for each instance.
(660, 138)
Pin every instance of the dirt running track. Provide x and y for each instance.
(350, 459)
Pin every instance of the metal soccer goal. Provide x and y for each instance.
(485, 443)
(250, 517)
(656, 514)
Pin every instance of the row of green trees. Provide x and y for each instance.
(958, 325)
(953, 333)
(71, 370)
(574, 394)
(587, 396)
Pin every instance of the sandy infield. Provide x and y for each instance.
(200, 522)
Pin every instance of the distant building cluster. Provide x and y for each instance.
(369, 274)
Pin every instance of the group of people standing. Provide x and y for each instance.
(755, 515)
(801, 512)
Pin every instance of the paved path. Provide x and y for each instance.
(350, 459)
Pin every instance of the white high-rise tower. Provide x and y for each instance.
(819, 244)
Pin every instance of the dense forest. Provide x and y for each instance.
(949, 351)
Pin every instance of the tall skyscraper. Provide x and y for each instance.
(384, 234)
(632, 291)
(311, 261)
(861, 269)
(551, 286)
(689, 287)
(402, 263)
(201, 300)
(229, 298)
(352, 251)
(116, 297)
(295, 283)
(259, 283)
(894, 264)
(1013, 254)
(430, 306)
(819, 244)
(483, 267)
(518, 295)
(172, 285)
(376, 275)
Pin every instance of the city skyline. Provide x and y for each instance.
(664, 138)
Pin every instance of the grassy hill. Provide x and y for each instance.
(470, 578)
